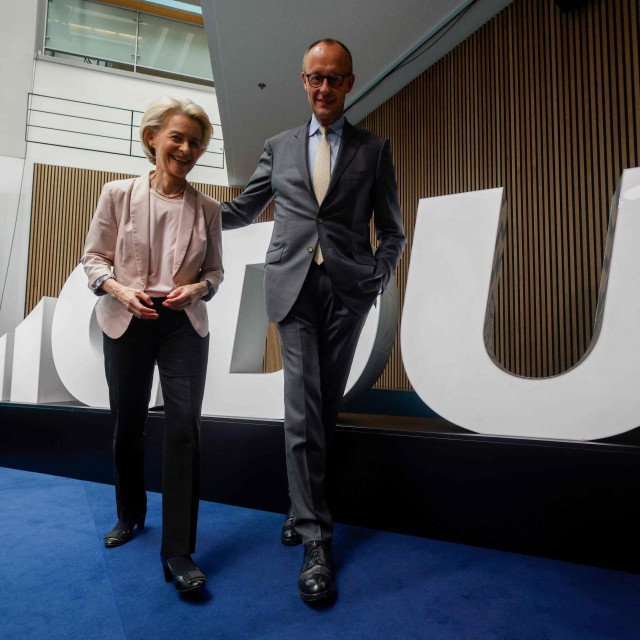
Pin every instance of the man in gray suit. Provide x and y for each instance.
(321, 279)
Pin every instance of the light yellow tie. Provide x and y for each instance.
(321, 177)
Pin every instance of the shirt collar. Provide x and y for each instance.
(336, 127)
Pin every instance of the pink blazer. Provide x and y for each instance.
(118, 240)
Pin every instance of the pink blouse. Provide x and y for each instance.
(163, 231)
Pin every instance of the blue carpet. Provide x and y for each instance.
(60, 582)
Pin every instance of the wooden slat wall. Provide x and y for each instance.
(544, 103)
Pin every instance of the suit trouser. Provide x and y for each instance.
(181, 355)
(318, 340)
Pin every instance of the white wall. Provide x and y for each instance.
(17, 46)
(14, 246)
(83, 83)
(10, 178)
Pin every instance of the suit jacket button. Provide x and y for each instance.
(310, 249)
(319, 220)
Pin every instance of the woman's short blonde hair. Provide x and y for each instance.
(159, 110)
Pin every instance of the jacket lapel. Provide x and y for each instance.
(299, 151)
(348, 147)
(139, 215)
(185, 225)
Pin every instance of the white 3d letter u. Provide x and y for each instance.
(454, 254)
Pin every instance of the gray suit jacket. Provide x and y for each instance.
(362, 183)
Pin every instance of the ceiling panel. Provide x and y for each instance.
(257, 42)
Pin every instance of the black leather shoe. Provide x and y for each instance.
(289, 535)
(184, 573)
(121, 533)
(316, 580)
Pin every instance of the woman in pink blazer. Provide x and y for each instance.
(153, 254)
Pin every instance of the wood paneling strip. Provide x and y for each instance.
(547, 105)
(158, 10)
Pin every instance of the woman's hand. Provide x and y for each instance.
(131, 299)
(183, 297)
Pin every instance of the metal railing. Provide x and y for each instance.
(137, 68)
(87, 126)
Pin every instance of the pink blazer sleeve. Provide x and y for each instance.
(100, 245)
(211, 269)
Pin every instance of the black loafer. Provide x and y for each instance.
(317, 580)
(289, 535)
(183, 571)
(121, 533)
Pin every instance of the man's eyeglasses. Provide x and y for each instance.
(335, 81)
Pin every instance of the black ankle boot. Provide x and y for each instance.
(121, 532)
(184, 573)
(317, 580)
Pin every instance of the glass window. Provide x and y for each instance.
(176, 47)
(96, 31)
(92, 29)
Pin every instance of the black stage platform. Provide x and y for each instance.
(574, 501)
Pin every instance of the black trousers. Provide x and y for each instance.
(181, 355)
(318, 340)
